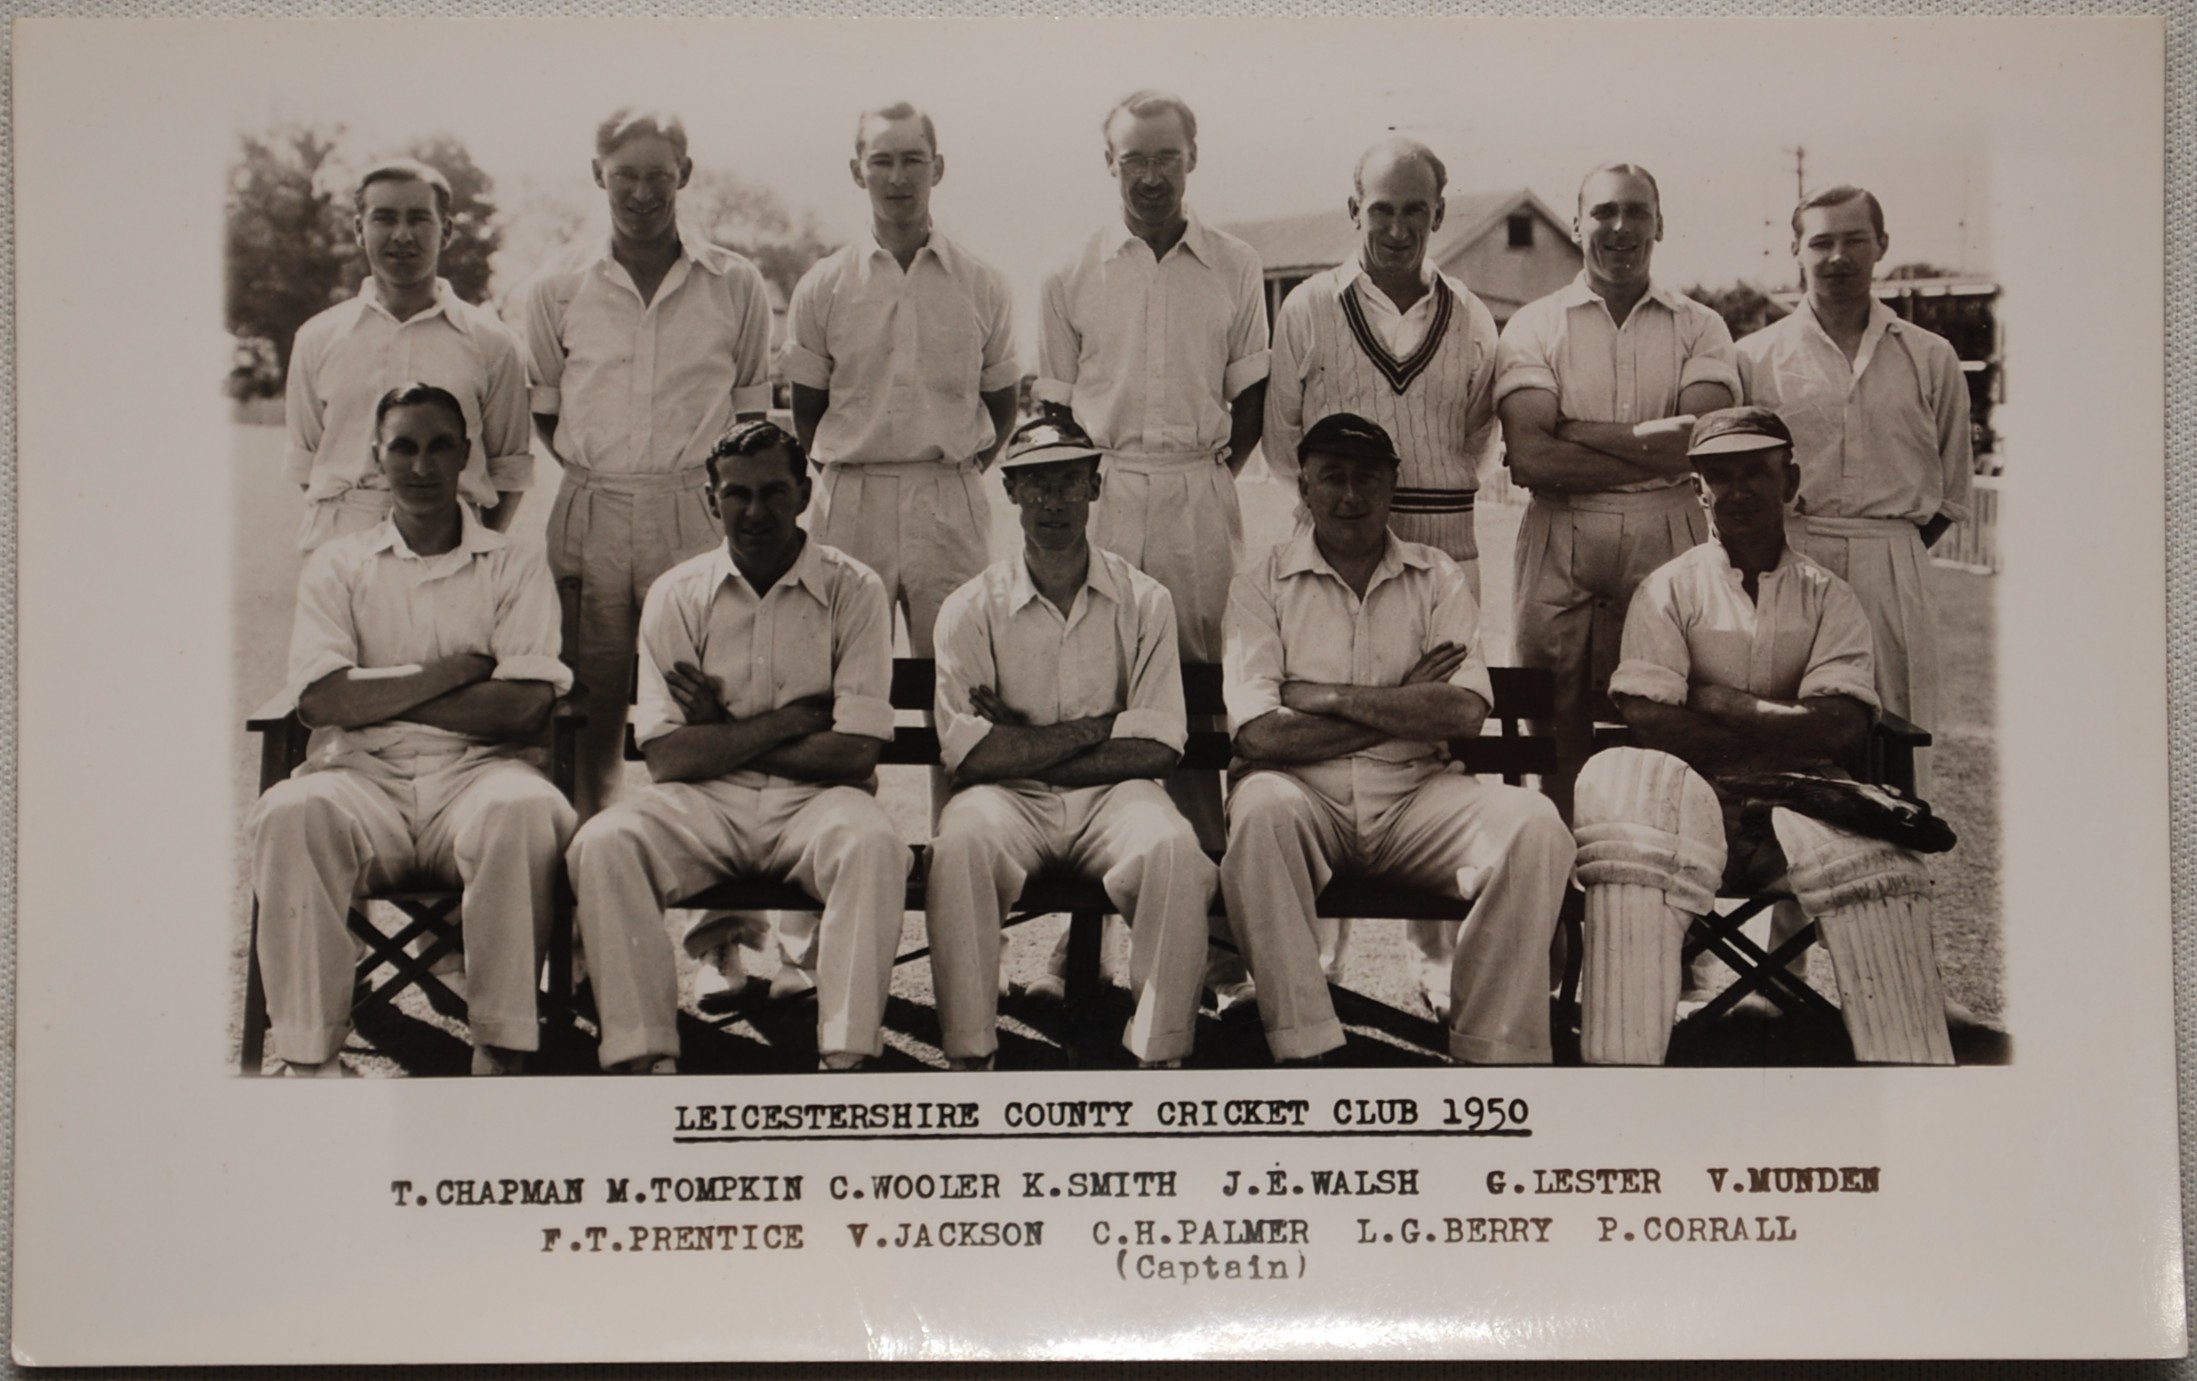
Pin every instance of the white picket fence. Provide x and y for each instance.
(1974, 545)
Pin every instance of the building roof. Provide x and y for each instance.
(1326, 238)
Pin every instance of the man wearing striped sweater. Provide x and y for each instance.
(1387, 336)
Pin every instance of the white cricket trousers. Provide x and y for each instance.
(1502, 847)
(672, 839)
(473, 815)
(1131, 838)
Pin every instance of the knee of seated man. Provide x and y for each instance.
(293, 808)
(1263, 798)
(620, 829)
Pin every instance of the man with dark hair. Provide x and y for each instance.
(405, 322)
(1353, 659)
(1879, 412)
(643, 351)
(1059, 702)
(1597, 385)
(1742, 657)
(423, 656)
(1388, 337)
(766, 666)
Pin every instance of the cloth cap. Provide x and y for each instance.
(1738, 429)
(1347, 434)
(1043, 440)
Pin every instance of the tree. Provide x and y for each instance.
(285, 250)
(291, 247)
(1745, 308)
(475, 233)
(1904, 272)
(754, 221)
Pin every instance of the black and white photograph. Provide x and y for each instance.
(1544, 661)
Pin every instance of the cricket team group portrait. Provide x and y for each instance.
(678, 630)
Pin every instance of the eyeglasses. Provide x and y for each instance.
(1138, 165)
(1051, 486)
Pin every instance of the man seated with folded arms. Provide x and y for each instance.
(423, 656)
(765, 667)
(1353, 659)
(1060, 706)
(1743, 657)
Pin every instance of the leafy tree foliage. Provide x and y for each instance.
(1744, 307)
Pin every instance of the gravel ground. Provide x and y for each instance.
(757, 1036)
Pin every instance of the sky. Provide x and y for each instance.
(1283, 107)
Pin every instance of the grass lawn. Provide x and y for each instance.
(761, 1037)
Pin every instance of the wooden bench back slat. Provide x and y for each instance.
(1521, 693)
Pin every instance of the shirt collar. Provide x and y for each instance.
(937, 246)
(1580, 292)
(1021, 589)
(692, 247)
(808, 570)
(474, 537)
(1787, 560)
(370, 295)
(1301, 556)
(1353, 269)
(1882, 320)
(1195, 238)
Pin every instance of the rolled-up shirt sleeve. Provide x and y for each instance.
(301, 411)
(1654, 662)
(1710, 358)
(1285, 385)
(964, 650)
(751, 351)
(862, 656)
(1524, 355)
(545, 350)
(1002, 368)
(1455, 619)
(1251, 664)
(507, 433)
(1841, 660)
(1248, 355)
(1481, 433)
(529, 627)
(323, 636)
(1059, 346)
(670, 634)
(1155, 704)
(1955, 444)
(806, 358)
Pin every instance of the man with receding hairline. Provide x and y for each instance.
(1879, 413)
(1597, 385)
(1389, 337)
(405, 322)
(643, 351)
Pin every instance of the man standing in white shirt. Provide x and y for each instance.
(900, 348)
(405, 323)
(643, 352)
(1597, 385)
(1153, 338)
(423, 655)
(1879, 413)
(1388, 337)
(1059, 701)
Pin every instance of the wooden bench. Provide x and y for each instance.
(1505, 749)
